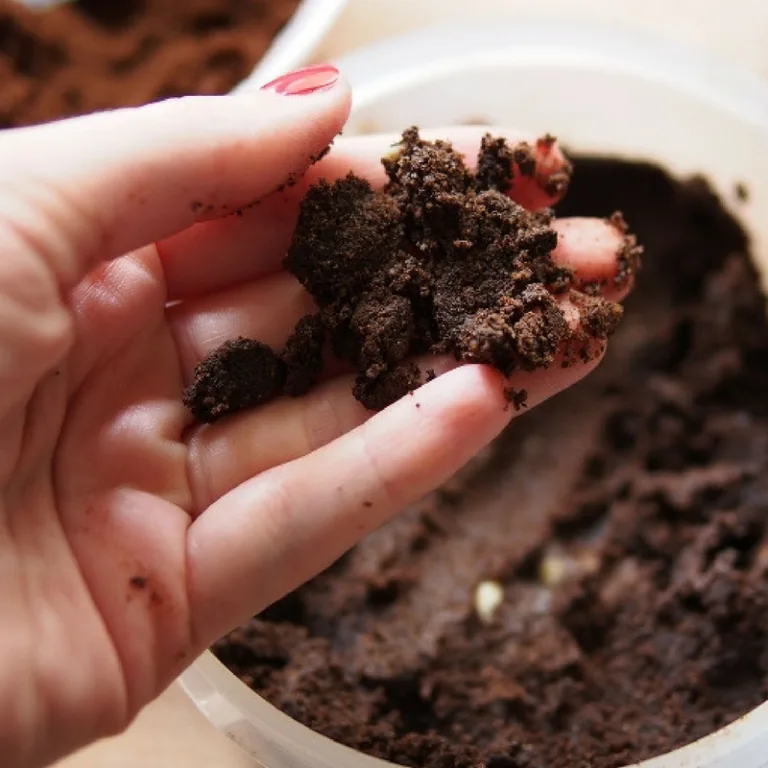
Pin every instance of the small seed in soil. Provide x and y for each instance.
(489, 595)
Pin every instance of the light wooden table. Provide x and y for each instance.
(170, 733)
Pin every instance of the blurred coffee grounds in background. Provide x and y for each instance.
(99, 54)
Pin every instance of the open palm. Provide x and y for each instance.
(130, 538)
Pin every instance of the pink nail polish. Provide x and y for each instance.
(302, 82)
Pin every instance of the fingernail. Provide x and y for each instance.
(545, 143)
(302, 82)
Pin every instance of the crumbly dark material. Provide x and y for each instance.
(441, 261)
(242, 373)
(625, 521)
(88, 55)
(630, 254)
(303, 356)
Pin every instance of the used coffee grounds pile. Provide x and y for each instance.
(623, 523)
(439, 261)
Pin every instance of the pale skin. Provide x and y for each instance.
(130, 538)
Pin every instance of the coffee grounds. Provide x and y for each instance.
(441, 261)
(90, 55)
(242, 373)
(624, 522)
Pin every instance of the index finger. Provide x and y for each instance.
(96, 187)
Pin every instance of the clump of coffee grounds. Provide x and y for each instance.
(441, 261)
(625, 521)
(90, 55)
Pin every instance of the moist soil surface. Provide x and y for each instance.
(440, 261)
(97, 54)
(625, 522)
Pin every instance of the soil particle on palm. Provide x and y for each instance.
(303, 356)
(240, 374)
(439, 261)
(629, 255)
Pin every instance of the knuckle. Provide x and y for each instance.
(47, 221)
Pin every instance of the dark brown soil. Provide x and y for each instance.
(97, 54)
(625, 522)
(242, 373)
(441, 261)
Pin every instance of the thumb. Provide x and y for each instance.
(79, 191)
(93, 188)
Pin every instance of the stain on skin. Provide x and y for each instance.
(320, 155)
(208, 210)
(142, 584)
(291, 181)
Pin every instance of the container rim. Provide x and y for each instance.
(423, 54)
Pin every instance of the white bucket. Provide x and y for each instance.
(297, 42)
(293, 47)
(599, 91)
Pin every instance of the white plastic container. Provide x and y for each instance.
(735, 31)
(293, 47)
(599, 92)
(297, 42)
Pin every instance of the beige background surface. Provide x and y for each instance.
(171, 733)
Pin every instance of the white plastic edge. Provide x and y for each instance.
(417, 55)
(386, 66)
(292, 47)
(297, 41)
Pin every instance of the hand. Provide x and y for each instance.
(130, 539)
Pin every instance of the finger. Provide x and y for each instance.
(267, 310)
(96, 187)
(277, 530)
(217, 254)
(603, 254)
(539, 186)
(275, 434)
(225, 454)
